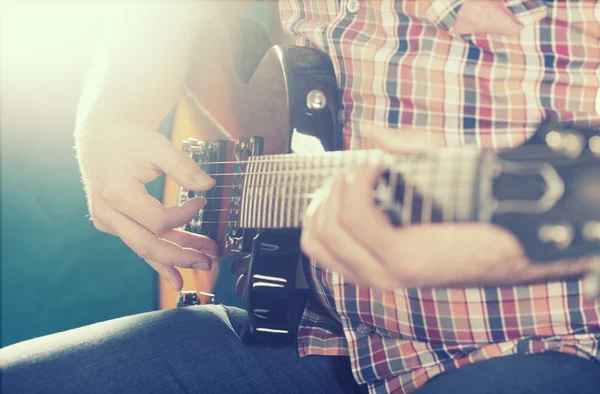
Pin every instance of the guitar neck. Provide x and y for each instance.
(441, 186)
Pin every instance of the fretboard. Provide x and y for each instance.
(416, 188)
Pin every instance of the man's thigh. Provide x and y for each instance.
(544, 373)
(186, 350)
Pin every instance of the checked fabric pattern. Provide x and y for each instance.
(399, 64)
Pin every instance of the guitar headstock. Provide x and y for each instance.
(547, 192)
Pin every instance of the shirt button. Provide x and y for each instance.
(363, 329)
(353, 6)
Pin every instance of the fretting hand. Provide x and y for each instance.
(345, 231)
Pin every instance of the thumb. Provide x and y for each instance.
(177, 165)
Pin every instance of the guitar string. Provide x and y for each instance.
(422, 168)
(420, 163)
(410, 180)
(521, 151)
(303, 196)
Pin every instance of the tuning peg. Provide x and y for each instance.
(567, 142)
(561, 235)
(594, 144)
(591, 231)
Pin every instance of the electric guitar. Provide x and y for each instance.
(546, 192)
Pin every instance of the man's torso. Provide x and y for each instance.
(396, 68)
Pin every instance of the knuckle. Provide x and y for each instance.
(100, 226)
(177, 263)
(331, 234)
(143, 251)
(184, 164)
(158, 224)
(307, 245)
(111, 195)
(95, 217)
(350, 220)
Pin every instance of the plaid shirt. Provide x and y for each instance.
(399, 63)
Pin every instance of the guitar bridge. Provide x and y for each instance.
(211, 157)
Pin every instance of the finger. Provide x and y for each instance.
(134, 201)
(191, 240)
(168, 273)
(177, 165)
(310, 243)
(149, 246)
(240, 286)
(345, 248)
(240, 266)
(102, 226)
(360, 212)
(313, 248)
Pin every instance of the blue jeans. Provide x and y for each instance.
(198, 350)
(186, 350)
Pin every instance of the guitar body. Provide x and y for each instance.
(265, 109)
(220, 104)
(268, 133)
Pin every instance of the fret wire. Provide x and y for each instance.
(260, 194)
(246, 196)
(271, 193)
(288, 219)
(255, 199)
(252, 213)
(284, 194)
(262, 202)
(263, 179)
(307, 180)
(275, 203)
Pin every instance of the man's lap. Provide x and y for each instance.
(198, 350)
(544, 373)
(187, 350)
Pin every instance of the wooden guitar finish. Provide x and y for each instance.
(219, 104)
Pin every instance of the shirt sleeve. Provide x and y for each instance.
(442, 13)
(528, 11)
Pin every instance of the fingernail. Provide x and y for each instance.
(173, 286)
(201, 266)
(204, 180)
(202, 201)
